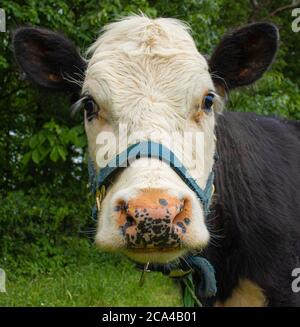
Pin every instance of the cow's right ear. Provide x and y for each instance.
(49, 59)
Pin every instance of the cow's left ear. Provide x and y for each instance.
(48, 58)
(244, 55)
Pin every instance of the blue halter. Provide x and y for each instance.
(150, 149)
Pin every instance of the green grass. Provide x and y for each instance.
(97, 280)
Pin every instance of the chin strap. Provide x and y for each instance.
(183, 270)
(185, 267)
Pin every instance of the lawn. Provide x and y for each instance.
(99, 280)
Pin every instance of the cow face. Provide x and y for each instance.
(145, 80)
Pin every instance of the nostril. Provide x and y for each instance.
(181, 225)
(182, 219)
(130, 221)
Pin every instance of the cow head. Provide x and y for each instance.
(145, 80)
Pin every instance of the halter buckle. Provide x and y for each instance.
(143, 275)
(100, 194)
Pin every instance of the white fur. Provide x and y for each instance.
(148, 75)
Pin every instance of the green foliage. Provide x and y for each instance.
(272, 95)
(52, 141)
(45, 220)
(38, 229)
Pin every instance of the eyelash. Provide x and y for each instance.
(91, 109)
(87, 104)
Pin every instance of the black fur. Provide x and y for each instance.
(244, 55)
(48, 58)
(257, 204)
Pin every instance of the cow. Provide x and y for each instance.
(147, 74)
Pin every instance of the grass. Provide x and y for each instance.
(98, 280)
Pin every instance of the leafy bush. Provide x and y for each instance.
(44, 229)
(273, 95)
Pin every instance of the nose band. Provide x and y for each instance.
(147, 149)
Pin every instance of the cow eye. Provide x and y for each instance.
(86, 103)
(208, 102)
(90, 109)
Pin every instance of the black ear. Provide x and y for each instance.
(244, 55)
(49, 59)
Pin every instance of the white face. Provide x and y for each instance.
(148, 76)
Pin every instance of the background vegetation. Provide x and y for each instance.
(46, 229)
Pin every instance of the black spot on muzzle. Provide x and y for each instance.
(160, 233)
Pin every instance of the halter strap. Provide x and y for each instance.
(150, 149)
